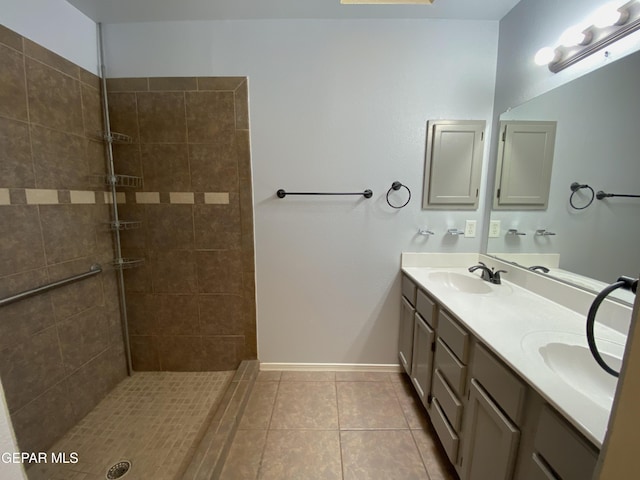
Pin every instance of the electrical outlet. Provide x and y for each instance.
(494, 228)
(470, 228)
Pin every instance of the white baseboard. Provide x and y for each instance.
(331, 367)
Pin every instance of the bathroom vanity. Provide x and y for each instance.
(502, 374)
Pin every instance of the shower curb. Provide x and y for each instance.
(211, 452)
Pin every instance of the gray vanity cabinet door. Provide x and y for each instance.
(453, 164)
(490, 439)
(422, 363)
(525, 158)
(405, 340)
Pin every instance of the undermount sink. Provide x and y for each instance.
(462, 283)
(568, 356)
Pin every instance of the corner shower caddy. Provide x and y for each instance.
(115, 181)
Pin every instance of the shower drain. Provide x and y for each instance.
(118, 470)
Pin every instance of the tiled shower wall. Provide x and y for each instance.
(60, 352)
(191, 306)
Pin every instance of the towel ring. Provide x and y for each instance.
(394, 187)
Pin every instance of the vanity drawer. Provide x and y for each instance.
(456, 338)
(451, 406)
(427, 309)
(568, 454)
(447, 436)
(454, 372)
(409, 290)
(498, 381)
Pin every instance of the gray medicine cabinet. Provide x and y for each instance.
(525, 159)
(453, 164)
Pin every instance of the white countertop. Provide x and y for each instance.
(512, 321)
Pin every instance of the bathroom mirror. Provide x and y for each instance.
(597, 144)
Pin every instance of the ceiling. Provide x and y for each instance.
(120, 11)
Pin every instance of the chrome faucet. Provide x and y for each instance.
(489, 275)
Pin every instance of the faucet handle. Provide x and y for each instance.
(514, 231)
(496, 276)
(543, 232)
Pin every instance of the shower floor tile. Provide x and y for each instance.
(152, 419)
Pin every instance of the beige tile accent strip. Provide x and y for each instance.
(147, 197)
(82, 196)
(41, 197)
(181, 197)
(4, 196)
(221, 198)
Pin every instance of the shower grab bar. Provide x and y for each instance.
(94, 270)
(600, 195)
(282, 193)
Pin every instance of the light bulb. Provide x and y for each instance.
(607, 15)
(545, 56)
(573, 36)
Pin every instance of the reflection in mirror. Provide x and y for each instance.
(597, 145)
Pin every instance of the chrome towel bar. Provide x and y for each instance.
(94, 270)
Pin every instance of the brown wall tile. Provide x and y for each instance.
(219, 83)
(176, 314)
(144, 353)
(219, 271)
(169, 227)
(75, 297)
(89, 384)
(221, 314)
(214, 167)
(180, 353)
(68, 231)
(16, 167)
(174, 271)
(90, 79)
(31, 342)
(242, 106)
(59, 159)
(83, 337)
(127, 84)
(10, 38)
(217, 226)
(140, 313)
(21, 245)
(40, 423)
(91, 110)
(13, 94)
(173, 83)
(161, 117)
(222, 353)
(30, 368)
(166, 167)
(126, 159)
(54, 98)
(123, 114)
(209, 115)
(51, 59)
(25, 318)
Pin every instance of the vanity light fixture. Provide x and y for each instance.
(607, 25)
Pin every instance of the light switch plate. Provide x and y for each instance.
(494, 228)
(470, 228)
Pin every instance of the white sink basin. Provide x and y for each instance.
(461, 283)
(567, 355)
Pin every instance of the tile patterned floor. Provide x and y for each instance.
(335, 425)
(152, 419)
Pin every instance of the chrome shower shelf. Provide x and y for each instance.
(126, 263)
(113, 137)
(125, 181)
(125, 225)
